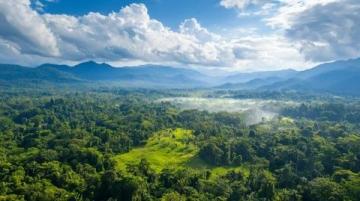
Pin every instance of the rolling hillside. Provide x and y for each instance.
(175, 149)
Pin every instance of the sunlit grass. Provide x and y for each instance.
(166, 149)
(173, 149)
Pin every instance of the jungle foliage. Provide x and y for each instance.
(121, 145)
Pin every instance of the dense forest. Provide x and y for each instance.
(106, 145)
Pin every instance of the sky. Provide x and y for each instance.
(207, 35)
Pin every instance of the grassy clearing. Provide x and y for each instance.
(166, 149)
(172, 149)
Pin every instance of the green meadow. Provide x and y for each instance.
(171, 149)
(165, 149)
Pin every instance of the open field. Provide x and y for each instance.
(172, 149)
(166, 149)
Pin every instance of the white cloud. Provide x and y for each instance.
(324, 30)
(289, 10)
(193, 28)
(23, 29)
(271, 52)
(316, 30)
(132, 35)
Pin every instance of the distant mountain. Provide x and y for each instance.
(246, 77)
(139, 76)
(337, 77)
(343, 65)
(16, 73)
(252, 84)
(248, 81)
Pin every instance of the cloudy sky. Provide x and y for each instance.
(231, 35)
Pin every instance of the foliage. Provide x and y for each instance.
(121, 145)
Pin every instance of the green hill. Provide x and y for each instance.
(166, 149)
(174, 149)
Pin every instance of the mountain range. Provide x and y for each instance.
(92, 72)
(336, 77)
(342, 77)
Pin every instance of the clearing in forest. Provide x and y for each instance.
(165, 149)
(173, 149)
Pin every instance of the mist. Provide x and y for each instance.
(254, 110)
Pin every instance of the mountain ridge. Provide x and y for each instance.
(334, 77)
(341, 77)
(147, 75)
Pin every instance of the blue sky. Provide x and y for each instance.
(225, 35)
(170, 12)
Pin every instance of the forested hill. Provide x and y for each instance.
(90, 72)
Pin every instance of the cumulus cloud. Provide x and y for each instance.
(127, 34)
(268, 52)
(23, 29)
(193, 28)
(289, 10)
(316, 30)
(131, 34)
(324, 29)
